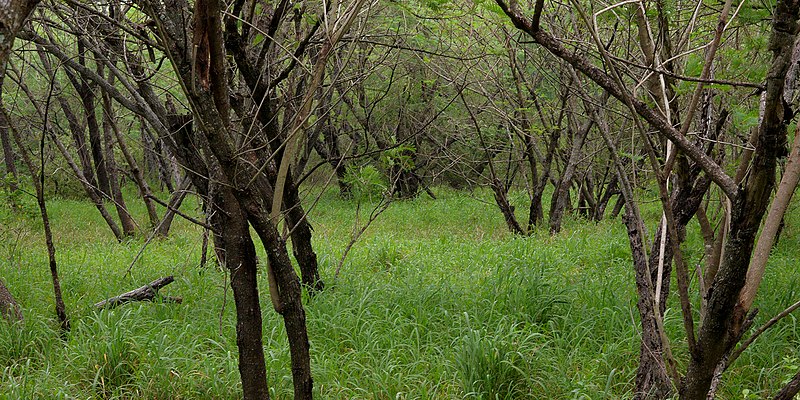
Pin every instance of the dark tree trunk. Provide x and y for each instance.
(301, 241)
(157, 159)
(721, 324)
(76, 130)
(230, 221)
(790, 390)
(8, 153)
(234, 248)
(91, 190)
(328, 149)
(38, 183)
(537, 212)
(138, 177)
(112, 172)
(238, 197)
(652, 379)
(295, 216)
(174, 204)
(501, 198)
(88, 98)
(560, 197)
(685, 202)
(609, 192)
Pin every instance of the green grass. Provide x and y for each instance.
(436, 301)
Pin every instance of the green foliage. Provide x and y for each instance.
(366, 182)
(401, 156)
(16, 202)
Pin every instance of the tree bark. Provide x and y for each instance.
(8, 154)
(229, 220)
(88, 98)
(147, 292)
(38, 182)
(790, 390)
(9, 308)
(721, 324)
(559, 200)
(112, 172)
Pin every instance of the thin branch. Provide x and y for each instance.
(761, 330)
(176, 211)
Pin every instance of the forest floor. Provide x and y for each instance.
(435, 301)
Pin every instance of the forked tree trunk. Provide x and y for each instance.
(233, 238)
(723, 319)
(237, 198)
(561, 194)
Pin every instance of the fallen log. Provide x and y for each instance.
(147, 292)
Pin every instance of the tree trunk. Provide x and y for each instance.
(722, 321)
(559, 200)
(174, 204)
(38, 182)
(112, 172)
(8, 154)
(233, 238)
(328, 149)
(9, 309)
(75, 127)
(88, 98)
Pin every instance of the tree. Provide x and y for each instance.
(722, 321)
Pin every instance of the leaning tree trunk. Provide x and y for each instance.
(9, 309)
(112, 171)
(88, 98)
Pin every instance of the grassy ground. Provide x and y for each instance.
(436, 301)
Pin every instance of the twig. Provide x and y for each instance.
(761, 330)
(712, 81)
(384, 204)
(176, 211)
